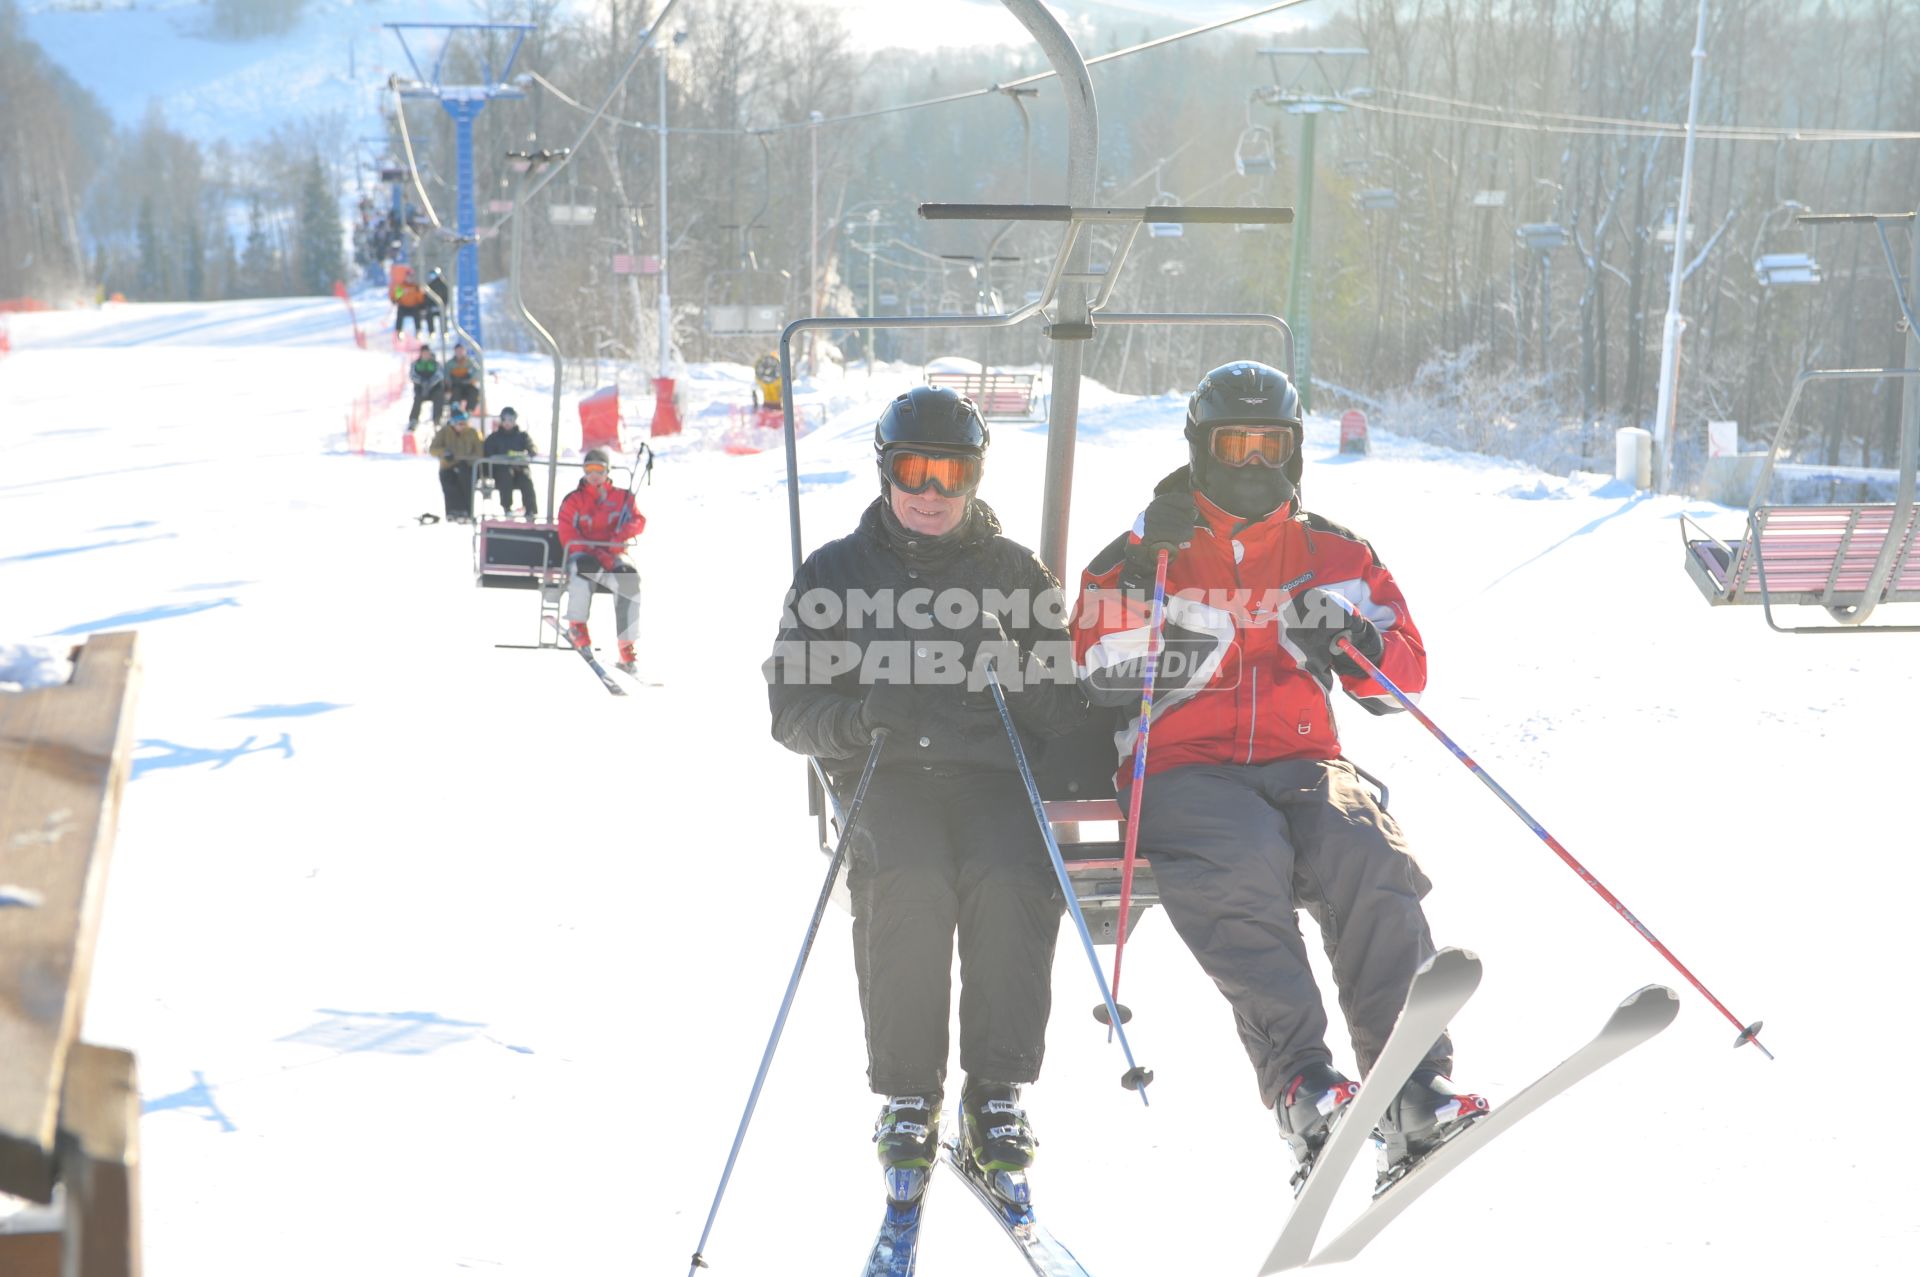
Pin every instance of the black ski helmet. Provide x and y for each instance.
(1243, 393)
(932, 418)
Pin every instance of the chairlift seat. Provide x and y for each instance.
(1816, 556)
(514, 555)
(1000, 396)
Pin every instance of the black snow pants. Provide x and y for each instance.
(929, 858)
(511, 479)
(456, 485)
(431, 397)
(1237, 850)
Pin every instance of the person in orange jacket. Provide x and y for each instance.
(597, 523)
(409, 300)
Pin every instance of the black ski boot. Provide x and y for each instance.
(1315, 1099)
(907, 1136)
(996, 1140)
(1426, 1114)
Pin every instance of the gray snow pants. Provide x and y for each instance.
(929, 858)
(584, 572)
(1237, 850)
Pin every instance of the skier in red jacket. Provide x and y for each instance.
(1250, 811)
(597, 523)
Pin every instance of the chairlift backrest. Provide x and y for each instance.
(1253, 155)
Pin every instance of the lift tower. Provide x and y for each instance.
(463, 102)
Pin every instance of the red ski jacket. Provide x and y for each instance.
(599, 514)
(1231, 687)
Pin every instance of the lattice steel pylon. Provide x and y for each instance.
(463, 102)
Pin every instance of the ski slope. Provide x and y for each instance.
(439, 960)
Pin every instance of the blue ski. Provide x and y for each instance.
(898, 1242)
(1042, 1251)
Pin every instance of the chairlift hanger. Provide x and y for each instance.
(1846, 558)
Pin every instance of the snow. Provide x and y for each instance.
(439, 960)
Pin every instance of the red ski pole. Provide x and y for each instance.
(1128, 856)
(1748, 1032)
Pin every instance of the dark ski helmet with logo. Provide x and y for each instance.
(929, 419)
(1243, 393)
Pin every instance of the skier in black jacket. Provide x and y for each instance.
(509, 442)
(890, 627)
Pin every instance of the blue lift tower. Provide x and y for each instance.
(463, 102)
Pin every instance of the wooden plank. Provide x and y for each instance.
(100, 1163)
(63, 762)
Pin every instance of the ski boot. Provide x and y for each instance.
(1313, 1101)
(1426, 1114)
(995, 1139)
(578, 636)
(629, 662)
(907, 1137)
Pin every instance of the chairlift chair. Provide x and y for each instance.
(1075, 775)
(1250, 200)
(1253, 153)
(1848, 559)
(1165, 230)
(744, 303)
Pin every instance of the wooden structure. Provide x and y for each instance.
(69, 1112)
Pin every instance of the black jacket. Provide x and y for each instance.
(504, 442)
(885, 606)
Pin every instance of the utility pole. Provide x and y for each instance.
(526, 163)
(463, 102)
(1309, 106)
(1664, 405)
(813, 235)
(666, 416)
(873, 233)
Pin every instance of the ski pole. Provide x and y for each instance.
(850, 818)
(1748, 1032)
(1128, 855)
(1135, 1078)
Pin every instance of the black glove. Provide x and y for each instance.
(894, 706)
(1315, 621)
(1169, 524)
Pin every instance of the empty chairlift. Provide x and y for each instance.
(1846, 558)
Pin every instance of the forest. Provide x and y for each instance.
(1494, 188)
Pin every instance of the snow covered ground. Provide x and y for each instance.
(437, 959)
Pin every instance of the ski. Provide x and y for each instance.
(898, 1242)
(1643, 1015)
(1042, 1251)
(607, 680)
(1440, 988)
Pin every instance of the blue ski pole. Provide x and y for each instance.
(848, 819)
(1135, 1078)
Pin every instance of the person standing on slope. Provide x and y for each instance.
(1250, 811)
(597, 523)
(946, 842)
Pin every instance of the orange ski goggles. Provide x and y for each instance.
(1243, 445)
(953, 474)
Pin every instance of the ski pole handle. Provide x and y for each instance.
(1748, 1032)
